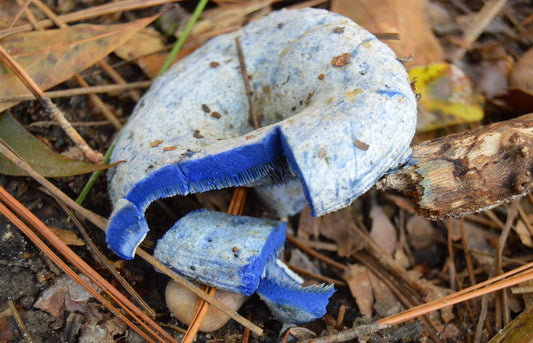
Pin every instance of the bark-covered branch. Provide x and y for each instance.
(468, 172)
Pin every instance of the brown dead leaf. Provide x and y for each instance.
(383, 233)
(385, 303)
(8, 10)
(392, 16)
(63, 294)
(479, 239)
(68, 237)
(522, 75)
(358, 279)
(420, 232)
(53, 56)
(100, 327)
(146, 42)
(307, 225)
(522, 231)
(339, 226)
(151, 64)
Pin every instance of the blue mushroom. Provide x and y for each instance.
(336, 112)
(239, 254)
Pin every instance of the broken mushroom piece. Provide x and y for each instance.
(221, 250)
(336, 108)
(239, 254)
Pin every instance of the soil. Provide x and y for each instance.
(25, 272)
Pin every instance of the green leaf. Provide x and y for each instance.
(36, 153)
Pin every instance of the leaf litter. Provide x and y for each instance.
(425, 240)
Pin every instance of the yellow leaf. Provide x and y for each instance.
(447, 97)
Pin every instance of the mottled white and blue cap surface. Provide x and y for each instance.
(334, 127)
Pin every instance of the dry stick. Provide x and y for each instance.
(20, 322)
(57, 260)
(525, 219)
(508, 279)
(98, 256)
(95, 11)
(134, 95)
(82, 91)
(252, 117)
(236, 207)
(48, 123)
(469, 267)
(105, 66)
(51, 107)
(340, 317)
(101, 223)
(97, 220)
(95, 99)
(199, 293)
(29, 15)
(100, 104)
(305, 272)
(74, 259)
(476, 27)
(407, 297)
(451, 264)
(315, 254)
(511, 216)
(246, 332)
(438, 304)
(19, 13)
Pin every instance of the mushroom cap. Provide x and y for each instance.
(336, 110)
(221, 250)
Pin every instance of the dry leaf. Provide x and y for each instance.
(144, 43)
(385, 303)
(63, 294)
(100, 327)
(68, 237)
(339, 226)
(8, 10)
(308, 225)
(421, 233)
(37, 154)
(358, 280)
(447, 97)
(383, 233)
(524, 234)
(53, 56)
(393, 16)
(522, 75)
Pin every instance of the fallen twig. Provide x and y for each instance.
(101, 223)
(57, 260)
(20, 322)
(475, 29)
(52, 109)
(468, 172)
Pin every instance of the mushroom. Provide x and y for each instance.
(336, 108)
(238, 255)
